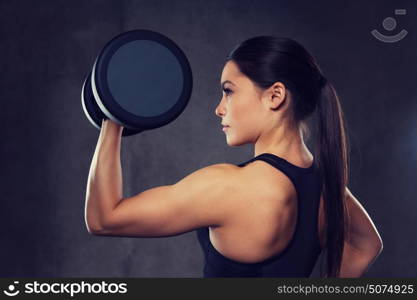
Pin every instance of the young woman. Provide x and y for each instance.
(272, 215)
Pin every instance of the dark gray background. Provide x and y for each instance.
(48, 47)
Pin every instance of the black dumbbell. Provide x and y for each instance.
(141, 79)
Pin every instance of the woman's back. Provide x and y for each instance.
(273, 237)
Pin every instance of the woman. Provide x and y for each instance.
(272, 215)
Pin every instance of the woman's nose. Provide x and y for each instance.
(219, 111)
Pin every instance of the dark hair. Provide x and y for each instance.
(268, 59)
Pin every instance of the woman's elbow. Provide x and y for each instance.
(379, 247)
(93, 230)
(93, 227)
(378, 244)
(100, 228)
(374, 244)
(375, 248)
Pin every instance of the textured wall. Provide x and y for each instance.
(48, 47)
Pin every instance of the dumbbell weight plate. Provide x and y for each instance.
(142, 80)
(92, 111)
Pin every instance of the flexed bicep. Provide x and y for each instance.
(200, 199)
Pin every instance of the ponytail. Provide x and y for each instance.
(332, 153)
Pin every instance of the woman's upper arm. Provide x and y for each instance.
(203, 198)
(362, 233)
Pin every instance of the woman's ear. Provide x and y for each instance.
(277, 95)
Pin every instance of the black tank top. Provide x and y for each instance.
(301, 253)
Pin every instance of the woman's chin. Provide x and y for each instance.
(229, 142)
(232, 143)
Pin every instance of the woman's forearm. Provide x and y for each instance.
(356, 262)
(104, 186)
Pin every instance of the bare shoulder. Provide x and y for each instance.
(262, 192)
(256, 186)
(258, 179)
(273, 183)
(224, 174)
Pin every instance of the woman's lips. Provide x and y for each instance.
(225, 128)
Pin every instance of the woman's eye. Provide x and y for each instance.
(227, 91)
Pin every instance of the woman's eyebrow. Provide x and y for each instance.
(226, 81)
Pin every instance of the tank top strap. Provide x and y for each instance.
(289, 169)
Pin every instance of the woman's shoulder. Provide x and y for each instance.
(253, 188)
(257, 180)
(261, 175)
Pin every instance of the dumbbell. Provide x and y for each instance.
(141, 80)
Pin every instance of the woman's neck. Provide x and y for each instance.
(284, 142)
